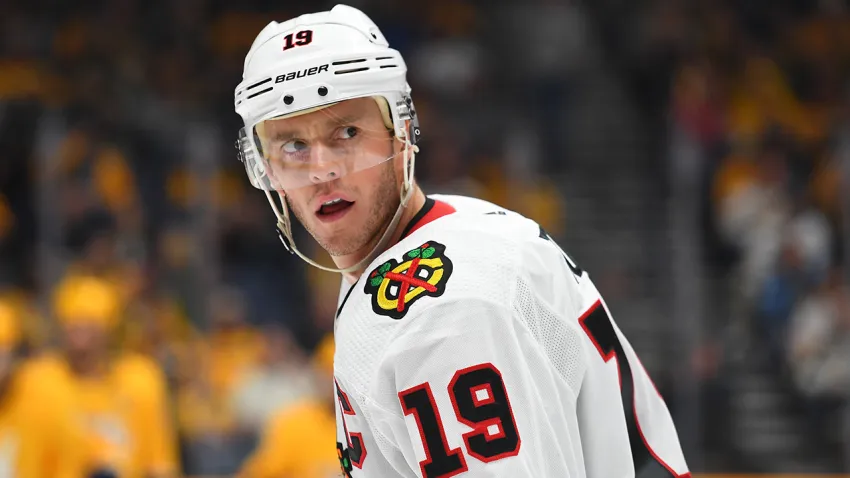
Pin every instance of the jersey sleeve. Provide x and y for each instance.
(477, 395)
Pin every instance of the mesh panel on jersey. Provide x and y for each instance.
(385, 444)
(559, 340)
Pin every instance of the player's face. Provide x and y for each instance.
(84, 339)
(349, 213)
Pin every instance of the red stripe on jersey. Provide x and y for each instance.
(651, 451)
(430, 212)
(359, 462)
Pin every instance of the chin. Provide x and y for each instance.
(338, 248)
(336, 244)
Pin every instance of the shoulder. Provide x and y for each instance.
(132, 362)
(303, 412)
(44, 377)
(299, 421)
(483, 228)
(490, 247)
(446, 259)
(48, 366)
(480, 253)
(138, 372)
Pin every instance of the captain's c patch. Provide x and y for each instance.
(395, 286)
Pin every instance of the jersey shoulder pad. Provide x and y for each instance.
(459, 257)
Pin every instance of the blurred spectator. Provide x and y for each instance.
(277, 380)
(233, 345)
(295, 441)
(121, 398)
(35, 329)
(819, 351)
(155, 326)
(753, 209)
(451, 61)
(546, 62)
(533, 196)
(812, 234)
(781, 289)
(210, 441)
(443, 167)
(39, 436)
(214, 442)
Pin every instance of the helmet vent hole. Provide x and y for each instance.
(258, 84)
(288, 99)
(323, 91)
(348, 62)
(351, 70)
(260, 92)
(389, 66)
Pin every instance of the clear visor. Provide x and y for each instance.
(316, 146)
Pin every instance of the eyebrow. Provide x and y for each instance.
(286, 135)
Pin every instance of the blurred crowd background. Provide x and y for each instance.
(693, 156)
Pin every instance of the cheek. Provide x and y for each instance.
(296, 199)
(274, 173)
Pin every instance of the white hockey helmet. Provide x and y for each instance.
(307, 64)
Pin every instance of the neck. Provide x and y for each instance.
(88, 365)
(417, 200)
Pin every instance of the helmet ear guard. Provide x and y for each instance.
(408, 111)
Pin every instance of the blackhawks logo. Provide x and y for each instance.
(395, 285)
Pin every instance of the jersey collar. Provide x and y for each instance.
(430, 211)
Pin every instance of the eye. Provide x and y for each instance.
(348, 132)
(294, 146)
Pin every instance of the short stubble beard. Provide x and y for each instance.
(385, 201)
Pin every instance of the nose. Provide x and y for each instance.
(325, 166)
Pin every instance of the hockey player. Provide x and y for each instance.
(468, 343)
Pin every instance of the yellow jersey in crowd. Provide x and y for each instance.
(124, 413)
(39, 436)
(299, 442)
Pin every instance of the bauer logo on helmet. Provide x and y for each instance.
(301, 74)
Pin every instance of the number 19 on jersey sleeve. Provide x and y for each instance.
(481, 402)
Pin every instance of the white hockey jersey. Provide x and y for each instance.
(475, 348)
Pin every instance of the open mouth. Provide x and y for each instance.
(334, 209)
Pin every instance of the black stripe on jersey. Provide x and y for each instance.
(577, 272)
(344, 300)
(429, 204)
(600, 329)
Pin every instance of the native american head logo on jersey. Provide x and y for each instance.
(395, 286)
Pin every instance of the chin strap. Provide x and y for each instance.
(284, 222)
